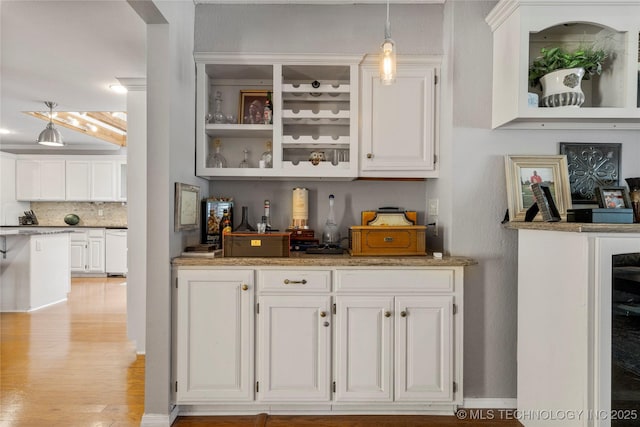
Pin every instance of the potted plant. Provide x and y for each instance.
(560, 72)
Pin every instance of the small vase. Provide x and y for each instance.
(561, 88)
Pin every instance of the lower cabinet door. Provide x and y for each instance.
(294, 336)
(423, 342)
(364, 351)
(215, 329)
(78, 254)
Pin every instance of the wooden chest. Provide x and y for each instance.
(248, 244)
(398, 240)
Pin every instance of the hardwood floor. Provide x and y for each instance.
(71, 365)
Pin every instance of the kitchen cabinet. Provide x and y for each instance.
(87, 251)
(121, 180)
(334, 338)
(520, 28)
(215, 335)
(115, 252)
(294, 336)
(40, 179)
(91, 180)
(399, 122)
(315, 111)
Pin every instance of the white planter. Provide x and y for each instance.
(561, 88)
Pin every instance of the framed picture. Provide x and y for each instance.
(186, 210)
(252, 106)
(591, 165)
(545, 202)
(613, 197)
(522, 171)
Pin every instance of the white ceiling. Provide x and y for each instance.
(68, 52)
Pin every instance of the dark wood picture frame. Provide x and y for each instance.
(613, 197)
(252, 105)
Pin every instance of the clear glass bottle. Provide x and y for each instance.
(218, 115)
(267, 156)
(244, 224)
(245, 161)
(267, 214)
(217, 160)
(330, 233)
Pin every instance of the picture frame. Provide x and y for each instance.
(591, 165)
(545, 202)
(613, 197)
(520, 171)
(187, 207)
(252, 106)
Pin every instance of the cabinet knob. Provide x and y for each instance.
(323, 314)
(245, 287)
(403, 313)
(295, 282)
(387, 314)
(325, 324)
(369, 156)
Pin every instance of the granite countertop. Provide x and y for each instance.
(30, 232)
(305, 260)
(576, 227)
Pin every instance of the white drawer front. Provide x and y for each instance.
(96, 232)
(393, 280)
(299, 280)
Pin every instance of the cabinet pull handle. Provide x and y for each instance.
(387, 314)
(369, 156)
(295, 282)
(323, 314)
(245, 287)
(403, 313)
(325, 324)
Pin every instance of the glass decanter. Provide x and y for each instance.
(244, 224)
(267, 156)
(217, 160)
(330, 233)
(218, 115)
(245, 162)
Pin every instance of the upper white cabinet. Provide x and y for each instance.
(399, 122)
(40, 179)
(521, 27)
(103, 180)
(315, 110)
(94, 180)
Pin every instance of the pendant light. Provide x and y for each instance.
(387, 55)
(50, 135)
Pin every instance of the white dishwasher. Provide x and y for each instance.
(116, 251)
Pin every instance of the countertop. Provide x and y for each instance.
(305, 260)
(31, 232)
(576, 227)
(71, 227)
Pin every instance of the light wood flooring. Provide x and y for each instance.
(71, 365)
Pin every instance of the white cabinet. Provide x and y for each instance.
(121, 180)
(215, 321)
(115, 252)
(315, 111)
(88, 251)
(91, 180)
(520, 28)
(40, 179)
(399, 135)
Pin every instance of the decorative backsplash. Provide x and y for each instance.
(53, 213)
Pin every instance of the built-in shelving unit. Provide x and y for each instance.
(315, 104)
(521, 27)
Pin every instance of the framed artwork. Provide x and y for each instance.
(523, 171)
(252, 106)
(613, 197)
(590, 166)
(186, 210)
(545, 202)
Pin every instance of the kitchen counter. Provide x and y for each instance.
(345, 260)
(30, 232)
(576, 227)
(70, 227)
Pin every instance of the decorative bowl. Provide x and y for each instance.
(72, 219)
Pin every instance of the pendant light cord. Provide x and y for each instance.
(387, 25)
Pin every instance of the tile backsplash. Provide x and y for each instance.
(53, 213)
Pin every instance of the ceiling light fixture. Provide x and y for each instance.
(50, 135)
(387, 55)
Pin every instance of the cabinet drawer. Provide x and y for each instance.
(299, 280)
(393, 280)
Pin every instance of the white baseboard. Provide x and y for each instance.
(490, 403)
(159, 420)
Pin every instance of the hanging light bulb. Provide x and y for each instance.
(50, 135)
(387, 55)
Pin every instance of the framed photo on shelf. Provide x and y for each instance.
(523, 171)
(186, 210)
(252, 106)
(591, 165)
(613, 197)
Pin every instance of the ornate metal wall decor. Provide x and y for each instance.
(590, 166)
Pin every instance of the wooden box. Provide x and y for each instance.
(252, 244)
(401, 240)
